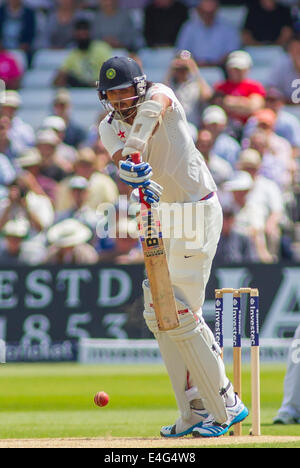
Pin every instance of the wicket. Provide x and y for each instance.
(237, 347)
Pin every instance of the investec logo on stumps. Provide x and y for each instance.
(254, 321)
(219, 322)
(236, 323)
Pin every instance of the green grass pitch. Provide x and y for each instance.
(56, 400)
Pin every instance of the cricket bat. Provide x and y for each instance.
(156, 264)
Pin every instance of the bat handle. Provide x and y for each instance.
(136, 158)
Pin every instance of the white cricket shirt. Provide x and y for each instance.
(177, 164)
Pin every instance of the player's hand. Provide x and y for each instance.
(135, 175)
(152, 193)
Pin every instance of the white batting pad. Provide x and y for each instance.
(149, 314)
(173, 361)
(201, 356)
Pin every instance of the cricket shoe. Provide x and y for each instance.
(211, 428)
(285, 418)
(182, 428)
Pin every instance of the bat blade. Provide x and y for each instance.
(156, 265)
(157, 270)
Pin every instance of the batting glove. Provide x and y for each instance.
(152, 192)
(135, 175)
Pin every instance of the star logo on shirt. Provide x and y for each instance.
(121, 134)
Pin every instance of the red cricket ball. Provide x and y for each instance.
(101, 399)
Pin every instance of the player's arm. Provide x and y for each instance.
(146, 122)
(149, 116)
(163, 101)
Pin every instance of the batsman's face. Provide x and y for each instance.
(122, 100)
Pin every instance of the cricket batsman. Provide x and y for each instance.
(147, 118)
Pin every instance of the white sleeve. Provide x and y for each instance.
(109, 138)
(159, 88)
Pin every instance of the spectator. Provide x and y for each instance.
(60, 25)
(81, 67)
(10, 70)
(191, 3)
(47, 142)
(249, 217)
(102, 189)
(214, 119)
(287, 125)
(133, 3)
(242, 96)
(79, 210)
(69, 244)
(65, 155)
(234, 247)
(295, 13)
(42, 10)
(17, 27)
(31, 162)
(104, 163)
(220, 169)
(20, 133)
(15, 232)
(169, 13)
(26, 201)
(74, 133)
(189, 86)
(277, 153)
(209, 38)
(267, 22)
(271, 168)
(39, 4)
(6, 145)
(7, 171)
(118, 238)
(266, 194)
(115, 26)
(127, 246)
(286, 71)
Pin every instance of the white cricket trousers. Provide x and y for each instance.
(190, 264)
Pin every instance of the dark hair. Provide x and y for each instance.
(82, 24)
(148, 84)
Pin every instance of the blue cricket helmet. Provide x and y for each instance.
(118, 73)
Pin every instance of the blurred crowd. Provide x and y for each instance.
(55, 181)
